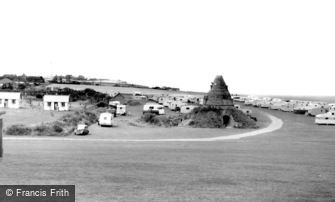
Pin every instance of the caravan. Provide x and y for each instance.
(121, 110)
(327, 118)
(187, 108)
(331, 107)
(317, 110)
(105, 119)
(153, 108)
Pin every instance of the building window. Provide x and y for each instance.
(49, 104)
(63, 104)
(13, 102)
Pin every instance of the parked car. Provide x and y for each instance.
(82, 129)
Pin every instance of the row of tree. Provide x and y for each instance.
(23, 78)
(75, 95)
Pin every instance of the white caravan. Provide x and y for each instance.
(114, 103)
(327, 118)
(187, 109)
(317, 110)
(105, 119)
(331, 107)
(153, 108)
(121, 109)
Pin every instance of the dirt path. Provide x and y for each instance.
(275, 124)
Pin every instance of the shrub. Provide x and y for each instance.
(207, 119)
(148, 117)
(102, 104)
(161, 120)
(57, 127)
(90, 117)
(18, 129)
(243, 120)
(42, 130)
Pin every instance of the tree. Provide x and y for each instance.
(54, 79)
(68, 78)
(81, 77)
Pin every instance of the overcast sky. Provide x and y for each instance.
(260, 47)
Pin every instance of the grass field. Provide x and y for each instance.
(29, 116)
(295, 163)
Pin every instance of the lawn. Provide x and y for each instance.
(29, 116)
(295, 163)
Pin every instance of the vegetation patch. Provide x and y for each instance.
(133, 102)
(203, 117)
(18, 130)
(206, 117)
(162, 120)
(62, 127)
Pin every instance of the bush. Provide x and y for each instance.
(58, 127)
(18, 129)
(207, 119)
(102, 104)
(161, 120)
(148, 117)
(243, 120)
(42, 130)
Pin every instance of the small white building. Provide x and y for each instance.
(56, 102)
(10, 100)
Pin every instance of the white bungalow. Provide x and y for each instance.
(56, 102)
(10, 100)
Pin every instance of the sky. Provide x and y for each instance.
(265, 47)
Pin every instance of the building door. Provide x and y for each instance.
(56, 106)
(6, 103)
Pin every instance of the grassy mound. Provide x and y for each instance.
(243, 121)
(161, 120)
(62, 127)
(205, 117)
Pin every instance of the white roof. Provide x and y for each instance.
(106, 114)
(81, 126)
(10, 95)
(56, 98)
(328, 114)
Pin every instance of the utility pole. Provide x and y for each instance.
(1, 150)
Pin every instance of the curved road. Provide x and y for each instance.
(275, 124)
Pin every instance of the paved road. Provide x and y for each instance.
(275, 124)
(294, 163)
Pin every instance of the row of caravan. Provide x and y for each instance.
(159, 109)
(175, 102)
(323, 111)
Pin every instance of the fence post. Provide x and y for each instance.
(1, 150)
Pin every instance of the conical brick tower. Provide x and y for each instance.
(219, 96)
